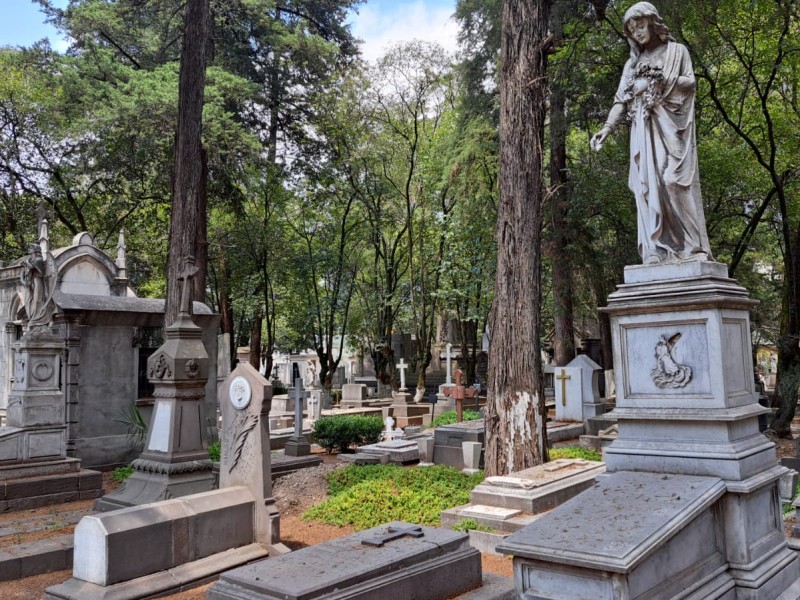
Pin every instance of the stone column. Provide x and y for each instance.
(175, 461)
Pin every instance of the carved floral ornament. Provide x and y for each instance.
(668, 373)
(160, 368)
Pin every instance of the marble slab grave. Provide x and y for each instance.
(435, 566)
(634, 541)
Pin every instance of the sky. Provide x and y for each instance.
(380, 23)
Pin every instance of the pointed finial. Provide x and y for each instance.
(122, 272)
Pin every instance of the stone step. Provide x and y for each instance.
(45, 490)
(34, 558)
(538, 489)
(56, 519)
(487, 516)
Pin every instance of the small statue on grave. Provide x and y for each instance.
(656, 94)
(39, 276)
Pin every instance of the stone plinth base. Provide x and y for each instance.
(161, 482)
(401, 452)
(438, 565)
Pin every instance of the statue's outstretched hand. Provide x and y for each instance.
(596, 143)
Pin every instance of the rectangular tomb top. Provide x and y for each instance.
(541, 475)
(476, 511)
(398, 444)
(342, 563)
(618, 522)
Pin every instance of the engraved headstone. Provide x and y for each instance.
(245, 405)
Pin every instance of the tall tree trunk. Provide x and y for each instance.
(788, 378)
(187, 222)
(255, 338)
(515, 436)
(564, 339)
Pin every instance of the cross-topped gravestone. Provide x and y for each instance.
(402, 366)
(187, 273)
(563, 377)
(459, 393)
(297, 445)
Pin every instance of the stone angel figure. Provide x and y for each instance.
(39, 277)
(656, 95)
(668, 373)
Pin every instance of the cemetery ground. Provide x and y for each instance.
(294, 493)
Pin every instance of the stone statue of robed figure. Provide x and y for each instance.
(656, 94)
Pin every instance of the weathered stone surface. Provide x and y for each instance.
(398, 451)
(448, 441)
(539, 488)
(436, 566)
(634, 540)
(161, 535)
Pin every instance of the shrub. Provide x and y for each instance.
(450, 417)
(575, 452)
(215, 451)
(366, 496)
(120, 474)
(278, 389)
(339, 432)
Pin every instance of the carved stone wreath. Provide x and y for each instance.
(192, 368)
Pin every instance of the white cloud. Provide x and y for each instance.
(381, 26)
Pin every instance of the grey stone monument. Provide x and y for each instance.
(298, 445)
(175, 460)
(33, 444)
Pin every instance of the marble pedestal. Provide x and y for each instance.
(687, 410)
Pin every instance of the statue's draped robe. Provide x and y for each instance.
(663, 170)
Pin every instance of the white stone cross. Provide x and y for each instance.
(299, 395)
(352, 372)
(402, 366)
(449, 356)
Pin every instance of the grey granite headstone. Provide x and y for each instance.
(437, 565)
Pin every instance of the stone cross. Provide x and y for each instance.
(352, 372)
(449, 356)
(297, 444)
(186, 275)
(563, 377)
(459, 393)
(402, 366)
(393, 534)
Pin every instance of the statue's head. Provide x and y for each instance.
(34, 249)
(645, 10)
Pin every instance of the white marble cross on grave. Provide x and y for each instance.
(402, 366)
(449, 356)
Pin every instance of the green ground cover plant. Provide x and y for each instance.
(450, 417)
(575, 452)
(367, 496)
(467, 524)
